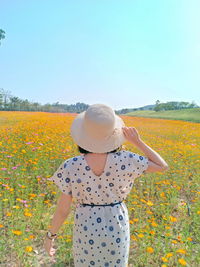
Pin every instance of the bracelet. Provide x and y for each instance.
(50, 235)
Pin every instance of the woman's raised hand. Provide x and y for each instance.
(132, 135)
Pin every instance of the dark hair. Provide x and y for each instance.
(82, 150)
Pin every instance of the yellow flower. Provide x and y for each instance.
(154, 224)
(164, 259)
(152, 232)
(168, 234)
(16, 207)
(28, 214)
(198, 212)
(182, 261)
(182, 251)
(28, 249)
(162, 194)
(168, 255)
(8, 214)
(172, 218)
(140, 235)
(163, 265)
(133, 238)
(149, 212)
(150, 249)
(1, 225)
(16, 232)
(149, 203)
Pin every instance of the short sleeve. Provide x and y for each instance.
(137, 163)
(61, 178)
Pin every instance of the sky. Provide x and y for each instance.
(126, 54)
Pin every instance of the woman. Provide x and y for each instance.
(100, 179)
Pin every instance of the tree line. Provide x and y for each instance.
(8, 102)
(174, 105)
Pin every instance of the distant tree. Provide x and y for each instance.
(14, 103)
(174, 105)
(4, 99)
(2, 35)
(1, 98)
(156, 107)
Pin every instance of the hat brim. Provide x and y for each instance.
(89, 143)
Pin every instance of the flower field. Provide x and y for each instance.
(164, 208)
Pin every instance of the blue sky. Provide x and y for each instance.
(121, 53)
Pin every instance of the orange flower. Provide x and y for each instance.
(182, 261)
(168, 255)
(149, 203)
(172, 218)
(17, 232)
(28, 249)
(164, 259)
(182, 251)
(150, 250)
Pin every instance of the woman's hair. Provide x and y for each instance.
(82, 150)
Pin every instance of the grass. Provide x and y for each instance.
(192, 114)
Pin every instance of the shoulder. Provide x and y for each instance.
(132, 155)
(71, 161)
(131, 158)
(126, 154)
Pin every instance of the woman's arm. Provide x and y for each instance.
(152, 154)
(156, 162)
(61, 213)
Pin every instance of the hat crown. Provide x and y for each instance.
(99, 120)
(98, 129)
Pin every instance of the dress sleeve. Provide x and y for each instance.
(137, 163)
(61, 178)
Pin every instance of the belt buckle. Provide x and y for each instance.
(112, 204)
(92, 204)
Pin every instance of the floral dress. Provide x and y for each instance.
(101, 234)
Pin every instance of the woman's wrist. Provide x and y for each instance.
(51, 235)
(138, 143)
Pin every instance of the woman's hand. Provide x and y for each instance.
(131, 135)
(48, 246)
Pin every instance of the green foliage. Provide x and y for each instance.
(173, 105)
(2, 35)
(187, 114)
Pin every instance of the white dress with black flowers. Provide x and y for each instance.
(101, 235)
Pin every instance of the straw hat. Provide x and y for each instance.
(98, 129)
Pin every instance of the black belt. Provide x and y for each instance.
(92, 204)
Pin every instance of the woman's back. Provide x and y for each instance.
(112, 183)
(101, 234)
